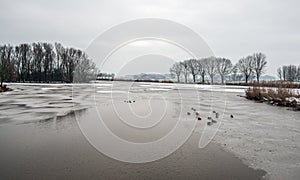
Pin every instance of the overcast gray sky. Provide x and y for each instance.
(232, 28)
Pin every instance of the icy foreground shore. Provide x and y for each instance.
(263, 136)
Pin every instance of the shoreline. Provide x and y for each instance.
(265, 84)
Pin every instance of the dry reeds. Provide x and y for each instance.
(284, 84)
(280, 95)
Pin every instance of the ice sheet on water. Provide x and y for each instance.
(50, 88)
(103, 85)
(112, 92)
(157, 89)
(34, 102)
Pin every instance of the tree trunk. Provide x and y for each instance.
(222, 79)
(194, 78)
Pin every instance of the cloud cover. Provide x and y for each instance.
(232, 28)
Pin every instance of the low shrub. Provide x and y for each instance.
(280, 96)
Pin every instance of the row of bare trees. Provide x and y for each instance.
(212, 67)
(289, 73)
(43, 62)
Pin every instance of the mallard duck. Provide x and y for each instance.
(217, 115)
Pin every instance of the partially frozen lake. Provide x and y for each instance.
(38, 119)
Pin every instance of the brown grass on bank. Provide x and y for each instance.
(281, 95)
(278, 84)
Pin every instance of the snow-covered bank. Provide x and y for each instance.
(264, 137)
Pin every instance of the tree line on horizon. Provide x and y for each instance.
(247, 68)
(44, 62)
(289, 73)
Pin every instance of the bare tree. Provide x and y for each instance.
(279, 73)
(7, 65)
(289, 73)
(292, 73)
(210, 65)
(298, 73)
(193, 68)
(18, 62)
(48, 61)
(259, 60)
(177, 70)
(38, 56)
(26, 61)
(284, 72)
(246, 66)
(85, 70)
(201, 69)
(234, 73)
(224, 67)
(59, 51)
(185, 70)
(3, 64)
